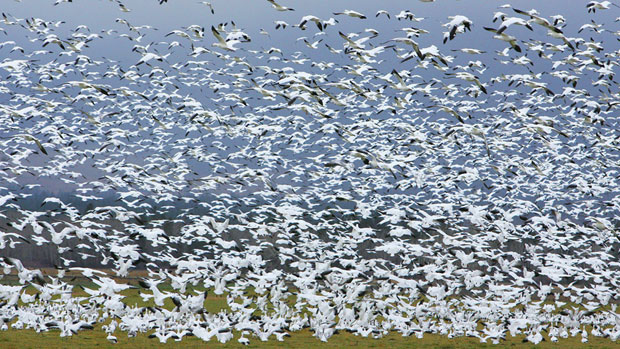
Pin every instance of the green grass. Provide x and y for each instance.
(302, 339)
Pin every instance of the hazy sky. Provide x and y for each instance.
(256, 14)
(253, 15)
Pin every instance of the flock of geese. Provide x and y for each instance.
(460, 180)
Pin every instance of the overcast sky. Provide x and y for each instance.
(257, 14)
(251, 16)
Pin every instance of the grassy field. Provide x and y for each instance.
(303, 339)
(213, 304)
